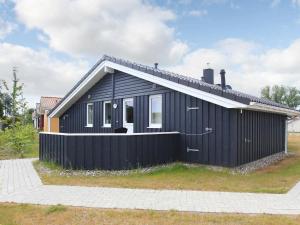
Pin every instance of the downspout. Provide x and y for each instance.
(49, 124)
(112, 102)
(49, 121)
(286, 137)
(113, 86)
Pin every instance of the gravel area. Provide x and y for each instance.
(244, 169)
(259, 164)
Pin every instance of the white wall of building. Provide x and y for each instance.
(294, 126)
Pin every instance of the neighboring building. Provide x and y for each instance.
(216, 125)
(294, 125)
(40, 117)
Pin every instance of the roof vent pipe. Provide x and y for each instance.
(155, 65)
(208, 76)
(223, 80)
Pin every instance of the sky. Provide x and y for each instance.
(53, 43)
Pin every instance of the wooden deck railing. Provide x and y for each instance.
(109, 151)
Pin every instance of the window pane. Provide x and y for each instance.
(107, 113)
(129, 111)
(156, 110)
(90, 114)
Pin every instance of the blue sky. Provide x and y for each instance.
(260, 21)
(59, 40)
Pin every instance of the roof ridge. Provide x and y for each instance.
(50, 97)
(192, 82)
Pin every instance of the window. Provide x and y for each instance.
(107, 111)
(128, 110)
(90, 115)
(155, 111)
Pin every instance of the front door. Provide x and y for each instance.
(128, 114)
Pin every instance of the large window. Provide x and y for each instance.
(155, 111)
(107, 111)
(90, 115)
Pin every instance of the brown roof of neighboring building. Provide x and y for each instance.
(47, 103)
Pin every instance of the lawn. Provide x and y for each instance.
(277, 178)
(12, 214)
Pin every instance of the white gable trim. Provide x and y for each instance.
(108, 66)
(82, 88)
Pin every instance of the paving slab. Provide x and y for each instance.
(20, 183)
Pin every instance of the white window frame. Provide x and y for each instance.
(87, 115)
(106, 124)
(154, 125)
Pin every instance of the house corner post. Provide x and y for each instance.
(286, 137)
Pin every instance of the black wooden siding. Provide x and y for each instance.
(260, 134)
(109, 152)
(224, 146)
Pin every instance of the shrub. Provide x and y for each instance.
(18, 138)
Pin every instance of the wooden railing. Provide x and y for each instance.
(109, 151)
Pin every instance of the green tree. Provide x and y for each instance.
(28, 116)
(282, 94)
(18, 102)
(18, 138)
(292, 99)
(2, 98)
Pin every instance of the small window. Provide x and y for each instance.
(90, 115)
(155, 111)
(107, 111)
(128, 113)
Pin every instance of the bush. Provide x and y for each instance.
(18, 138)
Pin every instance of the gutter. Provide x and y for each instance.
(273, 109)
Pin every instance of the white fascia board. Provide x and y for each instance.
(108, 66)
(85, 85)
(218, 100)
(273, 109)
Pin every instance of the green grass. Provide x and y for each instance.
(14, 214)
(56, 208)
(277, 178)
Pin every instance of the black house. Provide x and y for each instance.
(168, 117)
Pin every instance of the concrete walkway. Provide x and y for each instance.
(20, 183)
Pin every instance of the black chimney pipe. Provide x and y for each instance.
(223, 80)
(156, 65)
(208, 76)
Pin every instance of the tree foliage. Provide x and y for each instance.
(282, 94)
(18, 138)
(16, 117)
(13, 105)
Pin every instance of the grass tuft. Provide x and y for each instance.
(55, 209)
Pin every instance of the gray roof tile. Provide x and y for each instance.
(185, 80)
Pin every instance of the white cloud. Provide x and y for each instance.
(197, 13)
(41, 74)
(248, 67)
(296, 2)
(234, 5)
(275, 3)
(6, 28)
(132, 29)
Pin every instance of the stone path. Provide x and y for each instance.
(20, 183)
